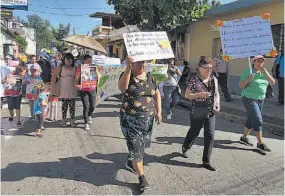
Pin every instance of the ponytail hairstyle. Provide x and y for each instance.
(40, 87)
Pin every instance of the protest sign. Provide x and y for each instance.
(4, 72)
(13, 86)
(158, 71)
(246, 37)
(30, 93)
(99, 59)
(112, 61)
(88, 77)
(12, 63)
(108, 84)
(110, 74)
(148, 45)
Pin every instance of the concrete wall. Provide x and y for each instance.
(200, 40)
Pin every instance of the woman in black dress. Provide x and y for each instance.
(141, 104)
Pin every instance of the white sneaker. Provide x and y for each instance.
(90, 120)
(169, 117)
(87, 127)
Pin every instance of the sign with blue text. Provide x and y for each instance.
(246, 37)
(15, 4)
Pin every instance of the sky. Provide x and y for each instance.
(57, 11)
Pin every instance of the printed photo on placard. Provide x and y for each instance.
(88, 77)
(14, 86)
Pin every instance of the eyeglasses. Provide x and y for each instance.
(208, 68)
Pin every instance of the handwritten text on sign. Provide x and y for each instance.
(148, 45)
(246, 37)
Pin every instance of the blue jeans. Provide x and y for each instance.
(254, 108)
(171, 98)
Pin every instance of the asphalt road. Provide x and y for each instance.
(75, 161)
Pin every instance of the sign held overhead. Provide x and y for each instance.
(148, 45)
(246, 37)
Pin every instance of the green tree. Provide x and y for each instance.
(59, 34)
(161, 14)
(43, 29)
(22, 42)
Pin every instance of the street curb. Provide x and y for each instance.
(267, 126)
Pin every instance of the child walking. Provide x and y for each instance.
(40, 105)
(13, 90)
(52, 108)
(33, 79)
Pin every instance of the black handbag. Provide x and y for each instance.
(200, 110)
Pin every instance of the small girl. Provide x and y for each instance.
(32, 80)
(13, 90)
(52, 102)
(52, 108)
(40, 105)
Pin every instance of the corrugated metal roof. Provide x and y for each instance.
(237, 6)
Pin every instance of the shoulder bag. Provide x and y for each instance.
(201, 108)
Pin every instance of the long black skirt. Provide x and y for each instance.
(137, 131)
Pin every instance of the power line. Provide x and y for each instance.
(70, 8)
(59, 14)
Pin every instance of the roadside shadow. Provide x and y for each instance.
(114, 137)
(84, 170)
(71, 168)
(78, 120)
(109, 105)
(221, 144)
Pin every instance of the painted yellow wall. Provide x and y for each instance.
(115, 47)
(201, 38)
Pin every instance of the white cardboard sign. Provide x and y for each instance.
(246, 37)
(148, 45)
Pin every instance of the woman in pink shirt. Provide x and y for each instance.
(87, 94)
(65, 73)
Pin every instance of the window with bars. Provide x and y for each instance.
(278, 36)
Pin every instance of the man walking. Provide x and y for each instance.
(221, 68)
(278, 73)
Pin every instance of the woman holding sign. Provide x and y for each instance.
(254, 87)
(141, 103)
(88, 91)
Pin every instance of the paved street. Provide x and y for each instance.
(75, 161)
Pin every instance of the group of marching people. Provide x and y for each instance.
(141, 105)
(53, 78)
(141, 102)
